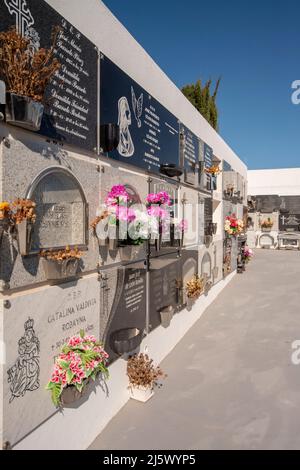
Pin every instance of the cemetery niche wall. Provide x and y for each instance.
(70, 114)
(66, 189)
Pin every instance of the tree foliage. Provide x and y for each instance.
(204, 101)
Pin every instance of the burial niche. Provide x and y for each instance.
(61, 209)
(206, 265)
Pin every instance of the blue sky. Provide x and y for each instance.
(255, 47)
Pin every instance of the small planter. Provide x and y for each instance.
(166, 315)
(60, 269)
(190, 302)
(71, 395)
(266, 229)
(126, 340)
(24, 236)
(141, 394)
(113, 237)
(126, 252)
(4, 225)
(23, 112)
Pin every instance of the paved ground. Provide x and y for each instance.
(231, 382)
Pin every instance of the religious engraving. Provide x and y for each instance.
(24, 375)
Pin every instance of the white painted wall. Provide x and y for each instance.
(282, 181)
(99, 25)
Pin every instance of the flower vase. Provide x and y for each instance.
(141, 394)
(24, 236)
(71, 395)
(60, 269)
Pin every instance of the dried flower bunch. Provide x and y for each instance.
(142, 373)
(98, 219)
(26, 73)
(195, 287)
(23, 209)
(214, 170)
(60, 255)
(82, 358)
(267, 223)
(5, 210)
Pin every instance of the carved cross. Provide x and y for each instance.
(22, 13)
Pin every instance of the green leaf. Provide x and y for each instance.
(50, 385)
(64, 364)
(82, 334)
(69, 376)
(56, 393)
(79, 386)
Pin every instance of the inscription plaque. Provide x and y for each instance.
(61, 210)
(70, 99)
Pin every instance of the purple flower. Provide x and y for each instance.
(116, 195)
(125, 214)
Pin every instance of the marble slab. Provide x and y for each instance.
(22, 162)
(35, 327)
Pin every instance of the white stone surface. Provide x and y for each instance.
(56, 313)
(281, 181)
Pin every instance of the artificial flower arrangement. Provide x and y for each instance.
(195, 287)
(81, 359)
(267, 223)
(18, 211)
(143, 376)
(159, 215)
(233, 226)
(213, 170)
(247, 254)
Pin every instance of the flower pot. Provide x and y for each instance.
(166, 315)
(126, 340)
(23, 112)
(71, 395)
(60, 269)
(141, 394)
(266, 229)
(24, 236)
(4, 225)
(190, 302)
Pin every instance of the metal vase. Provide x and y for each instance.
(24, 236)
(23, 112)
(166, 315)
(71, 395)
(60, 269)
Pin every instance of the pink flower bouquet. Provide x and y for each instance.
(82, 358)
(248, 254)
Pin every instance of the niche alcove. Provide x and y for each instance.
(61, 211)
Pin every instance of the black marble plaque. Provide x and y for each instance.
(208, 214)
(290, 204)
(149, 133)
(168, 276)
(70, 114)
(189, 156)
(267, 203)
(289, 222)
(128, 307)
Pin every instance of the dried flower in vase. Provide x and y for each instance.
(143, 373)
(98, 219)
(23, 209)
(195, 287)
(26, 72)
(60, 255)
